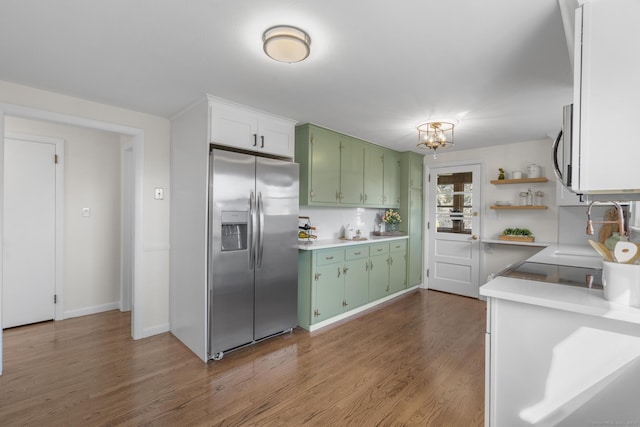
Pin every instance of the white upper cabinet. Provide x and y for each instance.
(606, 145)
(242, 127)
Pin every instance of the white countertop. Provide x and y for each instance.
(334, 243)
(562, 297)
(574, 255)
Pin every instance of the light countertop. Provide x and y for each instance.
(334, 243)
(562, 297)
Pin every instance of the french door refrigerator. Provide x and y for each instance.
(253, 261)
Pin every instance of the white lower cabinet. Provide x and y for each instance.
(551, 367)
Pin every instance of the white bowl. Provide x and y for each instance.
(503, 203)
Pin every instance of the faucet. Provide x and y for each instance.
(619, 221)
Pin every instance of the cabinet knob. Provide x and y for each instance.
(474, 237)
(261, 141)
(344, 270)
(255, 139)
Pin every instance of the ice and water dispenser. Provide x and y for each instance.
(234, 230)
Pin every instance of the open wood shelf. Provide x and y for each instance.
(517, 181)
(518, 207)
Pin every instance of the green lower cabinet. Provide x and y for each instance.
(397, 271)
(356, 283)
(335, 281)
(329, 291)
(378, 277)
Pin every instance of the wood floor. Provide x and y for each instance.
(418, 360)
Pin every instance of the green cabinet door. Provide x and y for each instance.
(378, 277)
(391, 179)
(397, 271)
(373, 175)
(329, 291)
(415, 172)
(356, 283)
(414, 220)
(351, 171)
(325, 166)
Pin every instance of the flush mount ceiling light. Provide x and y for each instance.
(285, 43)
(434, 135)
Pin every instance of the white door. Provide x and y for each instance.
(454, 227)
(29, 216)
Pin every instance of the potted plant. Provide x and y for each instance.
(516, 235)
(391, 220)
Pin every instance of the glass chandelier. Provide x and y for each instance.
(434, 135)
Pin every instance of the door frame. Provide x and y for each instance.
(136, 136)
(127, 214)
(59, 211)
(427, 218)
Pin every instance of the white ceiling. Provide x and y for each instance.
(376, 70)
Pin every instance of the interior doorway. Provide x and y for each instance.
(454, 229)
(135, 137)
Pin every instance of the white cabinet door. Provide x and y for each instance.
(233, 127)
(606, 93)
(276, 136)
(244, 128)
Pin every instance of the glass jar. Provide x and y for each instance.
(538, 199)
(523, 198)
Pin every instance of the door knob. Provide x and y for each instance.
(474, 237)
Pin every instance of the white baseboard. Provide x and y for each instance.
(360, 309)
(92, 310)
(155, 330)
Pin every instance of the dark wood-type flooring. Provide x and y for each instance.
(417, 360)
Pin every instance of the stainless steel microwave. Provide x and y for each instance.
(562, 148)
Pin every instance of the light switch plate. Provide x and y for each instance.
(86, 212)
(159, 193)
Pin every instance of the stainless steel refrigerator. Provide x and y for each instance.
(253, 261)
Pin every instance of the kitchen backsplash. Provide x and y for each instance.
(330, 222)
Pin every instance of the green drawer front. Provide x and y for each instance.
(398, 246)
(379, 249)
(330, 256)
(357, 252)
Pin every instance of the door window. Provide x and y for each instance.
(454, 201)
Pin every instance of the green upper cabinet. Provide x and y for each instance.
(391, 179)
(415, 171)
(337, 169)
(373, 176)
(351, 171)
(318, 153)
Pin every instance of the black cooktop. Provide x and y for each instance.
(553, 273)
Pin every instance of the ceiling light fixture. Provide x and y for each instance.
(285, 43)
(434, 135)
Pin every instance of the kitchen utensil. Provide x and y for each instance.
(625, 251)
(602, 250)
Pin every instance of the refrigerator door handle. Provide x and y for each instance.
(252, 235)
(260, 229)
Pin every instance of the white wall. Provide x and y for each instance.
(91, 244)
(510, 157)
(153, 277)
(330, 222)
